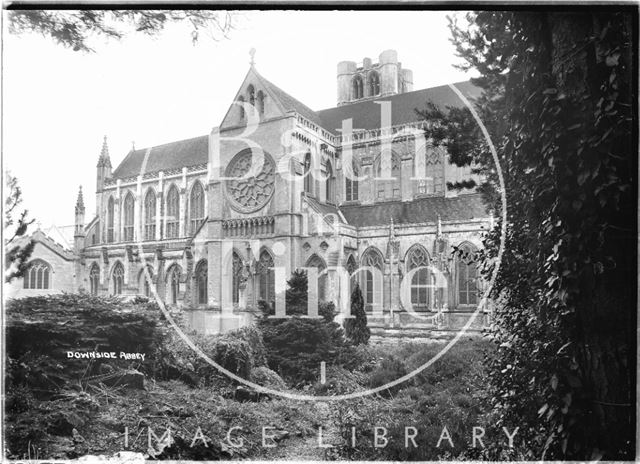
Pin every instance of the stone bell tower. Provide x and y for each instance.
(369, 80)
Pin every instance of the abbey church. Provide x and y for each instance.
(354, 193)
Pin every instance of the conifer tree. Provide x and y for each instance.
(356, 328)
(296, 296)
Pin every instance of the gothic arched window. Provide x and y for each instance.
(267, 277)
(145, 281)
(329, 182)
(201, 282)
(373, 259)
(150, 215)
(352, 184)
(252, 95)
(110, 219)
(173, 212)
(317, 262)
(173, 281)
(388, 188)
(260, 103)
(308, 181)
(129, 208)
(117, 279)
(422, 282)
(467, 270)
(236, 277)
(374, 84)
(94, 279)
(37, 275)
(358, 88)
(196, 207)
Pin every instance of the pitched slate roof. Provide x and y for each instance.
(174, 155)
(366, 114)
(421, 210)
(290, 103)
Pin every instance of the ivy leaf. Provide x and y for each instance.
(554, 381)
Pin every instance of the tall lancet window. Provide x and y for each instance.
(110, 216)
(252, 95)
(422, 282)
(267, 277)
(260, 103)
(467, 275)
(352, 183)
(129, 208)
(358, 88)
(117, 279)
(201, 282)
(330, 183)
(196, 207)
(308, 175)
(374, 84)
(150, 215)
(318, 263)
(173, 212)
(94, 279)
(236, 277)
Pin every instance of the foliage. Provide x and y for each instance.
(74, 29)
(17, 247)
(558, 104)
(41, 330)
(356, 329)
(297, 293)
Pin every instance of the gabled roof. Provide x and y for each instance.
(421, 210)
(290, 103)
(174, 155)
(366, 114)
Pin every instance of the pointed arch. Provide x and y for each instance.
(251, 94)
(38, 275)
(117, 278)
(94, 279)
(423, 281)
(266, 272)
(351, 182)
(201, 282)
(388, 188)
(260, 102)
(468, 276)
(320, 264)
(241, 107)
(145, 280)
(174, 273)
(110, 219)
(150, 214)
(357, 87)
(237, 276)
(173, 212)
(128, 214)
(371, 283)
(374, 83)
(196, 207)
(308, 181)
(330, 181)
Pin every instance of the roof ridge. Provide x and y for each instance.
(167, 143)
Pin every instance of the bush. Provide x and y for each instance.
(296, 346)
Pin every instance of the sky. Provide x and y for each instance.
(58, 103)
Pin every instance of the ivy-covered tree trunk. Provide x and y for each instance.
(559, 105)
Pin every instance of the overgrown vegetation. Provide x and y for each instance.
(356, 329)
(558, 103)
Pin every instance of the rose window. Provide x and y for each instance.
(249, 193)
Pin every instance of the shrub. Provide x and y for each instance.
(295, 346)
